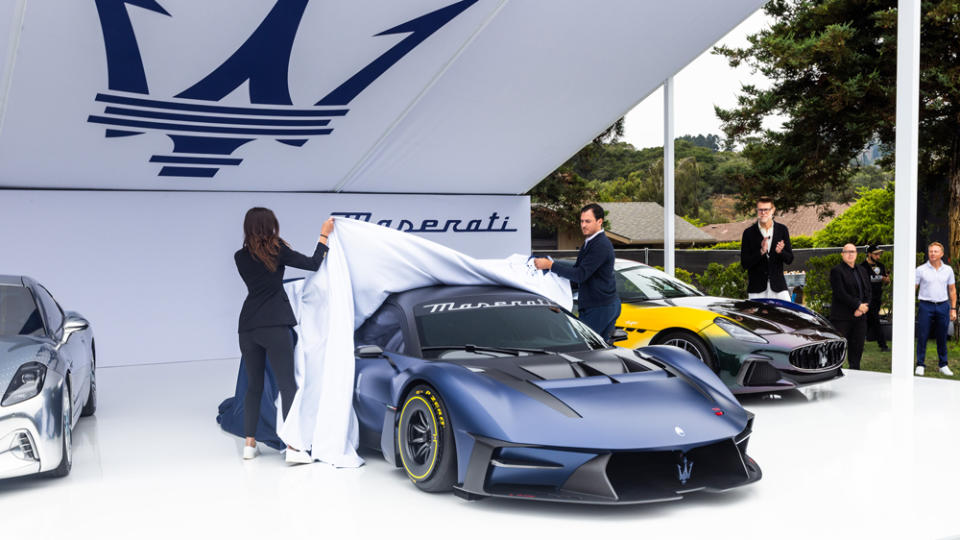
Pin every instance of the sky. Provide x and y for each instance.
(707, 81)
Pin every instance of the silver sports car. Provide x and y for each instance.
(47, 376)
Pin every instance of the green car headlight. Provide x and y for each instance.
(738, 332)
(26, 383)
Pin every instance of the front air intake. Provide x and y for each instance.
(651, 475)
(26, 447)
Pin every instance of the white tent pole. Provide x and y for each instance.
(905, 204)
(669, 180)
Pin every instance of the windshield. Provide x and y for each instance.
(515, 327)
(19, 315)
(641, 283)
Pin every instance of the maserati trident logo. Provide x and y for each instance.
(684, 471)
(823, 359)
(679, 430)
(204, 134)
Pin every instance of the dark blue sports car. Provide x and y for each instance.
(492, 391)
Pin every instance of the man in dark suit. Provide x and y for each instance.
(851, 302)
(764, 249)
(598, 303)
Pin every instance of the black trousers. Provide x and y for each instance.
(257, 346)
(855, 330)
(873, 322)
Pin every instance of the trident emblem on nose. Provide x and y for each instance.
(684, 471)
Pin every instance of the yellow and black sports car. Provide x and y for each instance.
(753, 345)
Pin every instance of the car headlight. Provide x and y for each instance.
(738, 332)
(26, 384)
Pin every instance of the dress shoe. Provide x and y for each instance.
(250, 452)
(298, 456)
(919, 371)
(945, 370)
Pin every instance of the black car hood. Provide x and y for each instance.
(758, 317)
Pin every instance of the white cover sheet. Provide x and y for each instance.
(365, 264)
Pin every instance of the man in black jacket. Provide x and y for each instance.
(597, 302)
(851, 302)
(878, 278)
(764, 249)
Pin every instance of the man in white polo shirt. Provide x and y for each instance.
(937, 296)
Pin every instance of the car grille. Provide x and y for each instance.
(820, 357)
(656, 474)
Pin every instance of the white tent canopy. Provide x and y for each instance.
(420, 96)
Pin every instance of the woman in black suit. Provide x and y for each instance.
(266, 319)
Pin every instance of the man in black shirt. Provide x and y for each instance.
(877, 273)
(851, 302)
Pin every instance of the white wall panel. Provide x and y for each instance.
(154, 271)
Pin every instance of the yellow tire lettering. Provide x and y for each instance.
(433, 417)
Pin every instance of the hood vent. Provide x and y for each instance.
(596, 364)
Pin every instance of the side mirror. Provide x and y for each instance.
(71, 325)
(619, 335)
(368, 351)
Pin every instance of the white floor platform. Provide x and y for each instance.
(861, 457)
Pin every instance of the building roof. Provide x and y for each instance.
(804, 221)
(642, 223)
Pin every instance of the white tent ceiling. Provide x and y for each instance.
(475, 96)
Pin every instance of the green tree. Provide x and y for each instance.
(709, 141)
(833, 68)
(869, 220)
(616, 160)
(647, 185)
(556, 201)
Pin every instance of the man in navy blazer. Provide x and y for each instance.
(598, 303)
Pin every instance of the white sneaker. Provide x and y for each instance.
(250, 452)
(946, 371)
(919, 371)
(298, 456)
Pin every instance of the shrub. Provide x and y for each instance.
(729, 281)
(870, 219)
(726, 245)
(801, 242)
(817, 293)
(796, 242)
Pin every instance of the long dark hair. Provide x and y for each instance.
(261, 236)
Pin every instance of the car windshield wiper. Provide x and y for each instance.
(515, 351)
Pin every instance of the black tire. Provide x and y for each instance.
(90, 405)
(66, 438)
(425, 441)
(692, 344)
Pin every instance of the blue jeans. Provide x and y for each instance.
(601, 318)
(938, 316)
